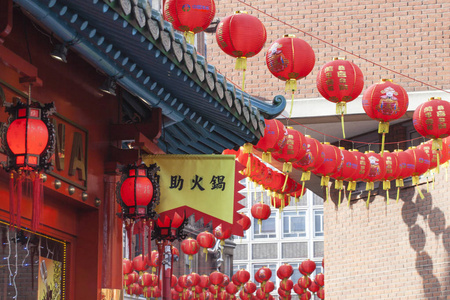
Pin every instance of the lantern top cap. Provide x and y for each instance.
(398, 150)
(354, 150)
(342, 148)
(412, 147)
(307, 135)
(435, 98)
(386, 80)
(386, 151)
(241, 12)
(326, 143)
(289, 35)
(290, 127)
(370, 151)
(338, 58)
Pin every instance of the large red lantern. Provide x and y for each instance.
(242, 36)
(340, 81)
(432, 120)
(190, 247)
(140, 264)
(28, 139)
(260, 211)
(385, 101)
(222, 233)
(392, 171)
(406, 166)
(243, 276)
(191, 16)
(285, 271)
(308, 266)
(273, 140)
(377, 170)
(206, 240)
(290, 59)
(263, 274)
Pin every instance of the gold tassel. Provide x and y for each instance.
(339, 201)
(420, 192)
(399, 183)
(368, 199)
(386, 185)
(306, 176)
(292, 104)
(291, 85)
(387, 197)
(438, 161)
(241, 63)
(349, 198)
(190, 37)
(436, 144)
(398, 193)
(327, 191)
(415, 180)
(287, 167)
(383, 127)
(341, 109)
(324, 180)
(267, 157)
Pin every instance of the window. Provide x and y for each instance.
(237, 267)
(318, 223)
(267, 229)
(294, 224)
(272, 267)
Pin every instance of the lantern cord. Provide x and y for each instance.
(341, 49)
(292, 104)
(368, 199)
(19, 200)
(342, 124)
(12, 202)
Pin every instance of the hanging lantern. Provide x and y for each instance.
(285, 271)
(193, 279)
(245, 222)
(206, 240)
(132, 277)
(268, 287)
(406, 166)
(28, 140)
(127, 267)
(190, 247)
(312, 159)
(329, 165)
(140, 264)
(293, 150)
(283, 293)
(308, 266)
(249, 287)
(287, 285)
(263, 274)
(304, 282)
(290, 59)
(190, 17)
(321, 293)
(260, 294)
(145, 281)
(320, 279)
(421, 165)
(377, 170)
(347, 170)
(362, 169)
(231, 289)
(153, 260)
(273, 140)
(242, 36)
(298, 290)
(392, 171)
(385, 101)
(204, 282)
(305, 296)
(340, 81)
(243, 276)
(431, 119)
(170, 229)
(314, 287)
(260, 211)
(215, 278)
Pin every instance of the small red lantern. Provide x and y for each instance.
(263, 274)
(127, 267)
(28, 139)
(140, 264)
(312, 159)
(285, 271)
(320, 279)
(245, 222)
(206, 240)
(290, 59)
(314, 287)
(431, 119)
(286, 285)
(308, 266)
(304, 282)
(436, 157)
(243, 276)
(329, 165)
(146, 280)
(349, 167)
(340, 81)
(392, 171)
(222, 234)
(362, 169)
(215, 278)
(421, 165)
(406, 166)
(298, 290)
(305, 296)
(321, 293)
(376, 171)
(385, 101)
(242, 36)
(191, 16)
(204, 282)
(268, 287)
(249, 287)
(260, 211)
(190, 247)
(153, 260)
(293, 150)
(273, 140)
(283, 293)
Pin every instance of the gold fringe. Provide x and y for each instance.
(399, 182)
(339, 184)
(341, 108)
(386, 185)
(383, 127)
(415, 180)
(349, 198)
(248, 148)
(292, 105)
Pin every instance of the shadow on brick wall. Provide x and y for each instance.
(435, 221)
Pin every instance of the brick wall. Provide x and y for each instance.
(410, 37)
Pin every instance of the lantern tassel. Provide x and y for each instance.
(292, 104)
(341, 109)
(12, 202)
(19, 200)
(438, 161)
(349, 198)
(190, 37)
(383, 127)
(420, 192)
(324, 180)
(205, 250)
(37, 202)
(339, 201)
(267, 157)
(241, 64)
(368, 199)
(306, 176)
(327, 194)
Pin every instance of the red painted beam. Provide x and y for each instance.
(6, 18)
(17, 63)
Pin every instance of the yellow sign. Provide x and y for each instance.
(199, 184)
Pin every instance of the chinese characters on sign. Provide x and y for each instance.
(217, 182)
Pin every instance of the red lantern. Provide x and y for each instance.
(215, 278)
(298, 290)
(286, 285)
(206, 240)
(146, 280)
(314, 287)
(133, 277)
(392, 171)
(431, 120)
(245, 222)
(320, 279)
(321, 293)
(263, 274)
(127, 267)
(192, 280)
(140, 264)
(260, 294)
(249, 287)
(349, 167)
(280, 201)
(153, 260)
(169, 228)
(304, 282)
(312, 159)
(285, 271)
(385, 101)
(231, 289)
(174, 295)
(290, 59)
(305, 296)
(329, 165)
(225, 281)
(283, 293)
(406, 166)
(340, 81)
(242, 36)
(222, 234)
(273, 140)
(376, 171)
(190, 247)
(206, 295)
(293, 150)
(260, 211)
(136, 191)
(268, 287)
(204, 282)
(29, 141)
(274, 181)
(308, 266)
(191, 16)
(362, 169)
(243, 276)
(421, 165)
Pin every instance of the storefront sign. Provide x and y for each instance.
(204, 185)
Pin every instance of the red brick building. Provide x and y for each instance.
(395, 251)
